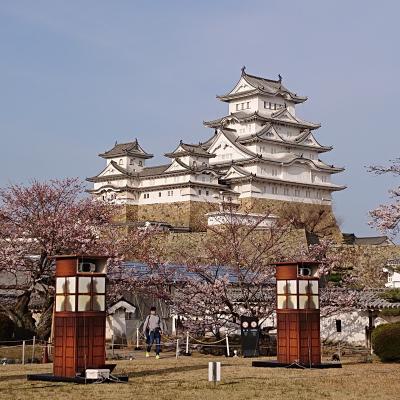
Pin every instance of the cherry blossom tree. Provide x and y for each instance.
(231, 274)
(40, 221)
(386, 217)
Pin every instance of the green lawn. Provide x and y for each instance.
(186, 378)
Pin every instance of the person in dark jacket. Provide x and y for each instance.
(152, 330)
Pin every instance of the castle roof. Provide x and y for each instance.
(282, 116)
(250, 85)
(185, 149)
(126, 149)
(305, 140)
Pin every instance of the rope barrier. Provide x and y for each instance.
(199, 341)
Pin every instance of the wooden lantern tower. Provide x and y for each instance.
(298, 316)
(80, 315)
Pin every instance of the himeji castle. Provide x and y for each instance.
(261, 153)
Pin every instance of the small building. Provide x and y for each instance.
(392, 269)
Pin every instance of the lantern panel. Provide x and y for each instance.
(291, 302)
(84, 284)
(303, 302)
(60, 285)
(291, 286)
(60, 303)
(281, 287)
(99, 303)
(69, 304)
(314, 287)
(99, 285)
(303, 287)
(313, 302)
(70, 284)
(281, 301)
(83, 302)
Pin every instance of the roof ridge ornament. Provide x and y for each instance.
(279, 78)
(243, 69)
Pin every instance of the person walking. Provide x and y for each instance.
(152, 330)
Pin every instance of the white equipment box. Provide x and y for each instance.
(97, 373)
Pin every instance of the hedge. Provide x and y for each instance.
(386, 341)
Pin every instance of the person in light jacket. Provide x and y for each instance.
(152, 330)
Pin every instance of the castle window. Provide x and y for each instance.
(207, 192)
(274, 189)
(199, 192)
(130, 161)
(275, 172)
(297, 192)
(146, 195)
(159, 194)
(170, 192)
(308, 193)
(237, 107)
(140, 163)
(324, 178)
(248, 105)
(286, 191)
(120, 161)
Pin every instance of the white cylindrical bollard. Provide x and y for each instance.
(23, 352)
(187, 342)
(228, 354)
(177, 348)
(137, 338)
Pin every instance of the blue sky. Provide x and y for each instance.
(77, 75)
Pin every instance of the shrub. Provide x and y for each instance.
(386, 341)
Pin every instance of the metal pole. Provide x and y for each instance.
(33, 348)
(187, 342)
(228, 354)
(137, 338)
(112, 345)
(23, 352)
(177, 348)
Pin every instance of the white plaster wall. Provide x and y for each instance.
(353, 327)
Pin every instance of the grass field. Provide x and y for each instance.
(186, 378)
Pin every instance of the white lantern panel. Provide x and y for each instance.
(60, 285)
(291, 302)
(83, 303)
(84, 284)
(69, 303)
(281, 287)
(314, 287)
(281, 302)
(60, 303)
(99, 303)
(314, 302)
(292, 287)
(303, 287)
(303, 302)
(70, 284)
(99, 285)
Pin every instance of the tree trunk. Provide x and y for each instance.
(43, 327)
(21, 314)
